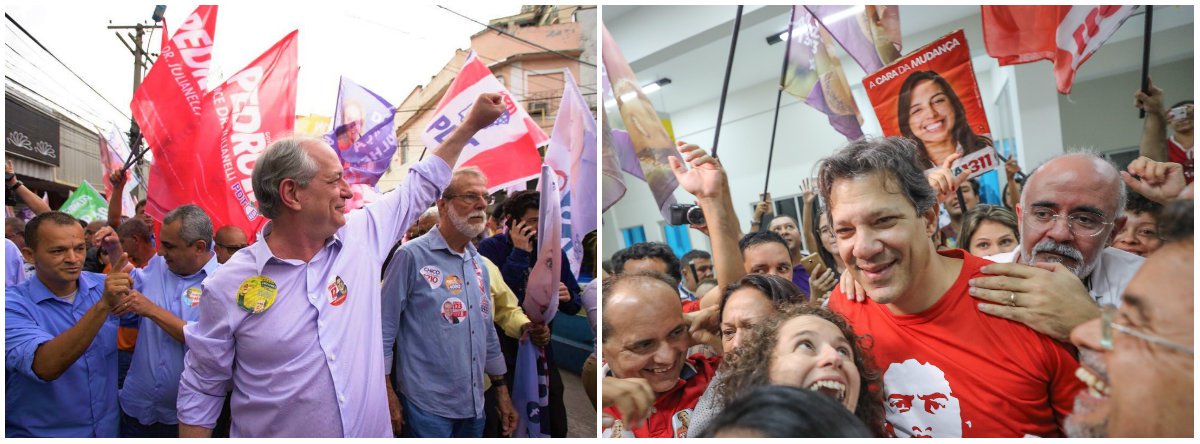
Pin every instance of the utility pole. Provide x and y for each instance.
(140, 61)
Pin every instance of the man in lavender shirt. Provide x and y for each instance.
(293, 321)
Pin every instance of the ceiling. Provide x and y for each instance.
(690, 44)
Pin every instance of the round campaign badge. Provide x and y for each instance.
(454, 284)
(257, 294)
(454, 310)
(432, 275)
(485, 306)
(191, 297)
(337, 291)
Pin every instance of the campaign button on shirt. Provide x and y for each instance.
(454, 310)
(256, 294)
(454, 284)
(337, 291)
(432, 275)
(191, 297)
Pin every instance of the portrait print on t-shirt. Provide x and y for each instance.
(920, 402)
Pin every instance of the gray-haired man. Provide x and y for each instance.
(159, 299)
(293, 321)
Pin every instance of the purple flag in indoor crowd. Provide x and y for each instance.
(870, 33)
(815, 74)
(572, 156)
(363, 134)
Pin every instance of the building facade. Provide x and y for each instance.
(533, 74)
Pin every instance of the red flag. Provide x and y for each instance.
(1066, 35)
(167, 103)
(239, 119)
(506, 150)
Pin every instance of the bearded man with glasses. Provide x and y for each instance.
(1070, 210)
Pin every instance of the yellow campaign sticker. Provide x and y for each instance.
(257, 294)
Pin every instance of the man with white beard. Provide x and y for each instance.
(1071, 209)
(436, 313)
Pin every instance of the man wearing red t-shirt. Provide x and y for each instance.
(949, 369)
(651, 386)
(1179, 117)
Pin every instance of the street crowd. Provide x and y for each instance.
(398, 319)
(1065, 309)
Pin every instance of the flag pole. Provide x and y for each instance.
(787, 52)
(737, 26)
(774, 125)
(1146, 56)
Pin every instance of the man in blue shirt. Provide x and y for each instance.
(159, 299)
(60, 340)
(436, 312)
(515, 254)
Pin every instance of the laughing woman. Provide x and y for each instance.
(809, 347)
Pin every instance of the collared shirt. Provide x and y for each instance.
(152, 385)
(685, 295)
(311, 364)
(83, 401)
(436, 311)
(14, 264)
(1114, 269)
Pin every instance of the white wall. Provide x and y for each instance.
(1099, 113)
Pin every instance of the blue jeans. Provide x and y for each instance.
(421, 424)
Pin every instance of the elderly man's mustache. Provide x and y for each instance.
(1050, 246)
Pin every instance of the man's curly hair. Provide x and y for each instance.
(749, 365)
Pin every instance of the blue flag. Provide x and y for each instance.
(531, 392)
(363, 133)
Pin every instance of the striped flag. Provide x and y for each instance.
(506, 151)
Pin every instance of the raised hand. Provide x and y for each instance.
(705, 178)
(943, 180)
(808, 188)
(1151, 103)
(1158, 181)
(487, 107)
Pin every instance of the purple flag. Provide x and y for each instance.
(815, 74)
(870, 34)
(572, 156)
(614, 181)
(531, 391)
(363, 134)
(541, 290)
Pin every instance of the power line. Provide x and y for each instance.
(88, 107)
(527, 42)
(40, 45)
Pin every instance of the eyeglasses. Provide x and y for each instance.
(487, 199)
(1079, 223)
(1107, 326)
(231, 247)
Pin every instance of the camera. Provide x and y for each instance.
(1178, 113)
(684, 214)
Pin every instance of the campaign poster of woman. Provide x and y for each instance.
(931, 96)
